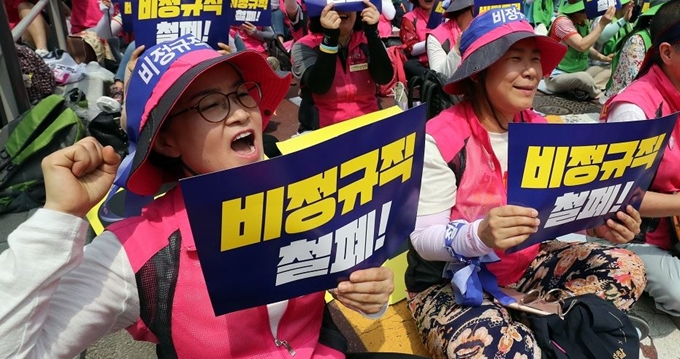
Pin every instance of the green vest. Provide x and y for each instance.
(542, 11)
(609, 47)
(644, 33)
(575, 61)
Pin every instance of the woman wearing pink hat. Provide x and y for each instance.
(655, 93)
(189, 111)
(463, 211)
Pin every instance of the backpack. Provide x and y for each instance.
(38, 77)
(24, 142)
(429, 89)
(397, 58)
(592, 328)
(276, 49)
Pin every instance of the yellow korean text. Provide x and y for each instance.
(249, 4)
(483, 9)
(553, 167)
(170, 9)
(314, 201)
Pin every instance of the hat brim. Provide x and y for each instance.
(651, 11)
(146, 179)
(552, 53)
(458, 5)
(567, 8)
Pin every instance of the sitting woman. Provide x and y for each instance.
(463, 208)
(412, 32)
(656, 92)
(205, 114)
(442, 42)
(254, 37)
(339, 66)
(630, 52)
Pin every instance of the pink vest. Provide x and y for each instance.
(419, 18)
(448, 31)
(85, 14)
(651, 92)
(353, 92)
(384, 27)
(250, 42)
(482, 186)
(163, 230)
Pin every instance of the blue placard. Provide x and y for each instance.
(300, 223)
(576, 182)
(256, 12)
(315, 7)
(125, 8)
(482, 6)
(595, 8)
(156, 21)
(436, 15)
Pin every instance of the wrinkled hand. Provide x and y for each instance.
(330, 18)
(370, 14)
(79, 176)
(224, 48)
(608, 16)
(621, 233)
(508, 226)
(367, 290)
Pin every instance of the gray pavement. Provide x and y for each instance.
(121, 346)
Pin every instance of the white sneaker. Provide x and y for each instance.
(108, 105)
(42, 52)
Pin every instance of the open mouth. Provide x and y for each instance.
(244, 143)
(343, 16)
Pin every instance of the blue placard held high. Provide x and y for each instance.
(482, 6)
(315, 7)
(256, 12)
(156, 21)
(595, 8)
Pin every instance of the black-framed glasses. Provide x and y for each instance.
(215, 107)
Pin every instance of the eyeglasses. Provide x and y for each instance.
(215, 107)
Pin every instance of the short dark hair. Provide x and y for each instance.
(316, 28)
(455, 14)
(667, 15)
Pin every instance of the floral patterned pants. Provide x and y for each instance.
(488, 331)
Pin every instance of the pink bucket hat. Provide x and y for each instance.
(490, 36)
(160, 77)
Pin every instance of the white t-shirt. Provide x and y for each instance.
(625, 112)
